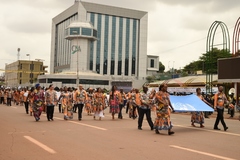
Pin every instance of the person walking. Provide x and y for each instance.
(219, 100)
(50, 101)
(145, 108)
(198, 117)
(99, 104)
(38, 100)
(163, 111)
(9, 97)
(89, 102)
(2, 96)
(67, 98)
(79, 98)
(25, 100)
(122, 104)
(114, 100)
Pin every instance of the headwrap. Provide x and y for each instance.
(37, 85)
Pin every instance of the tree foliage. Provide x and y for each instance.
(161, 67)
(208, 61)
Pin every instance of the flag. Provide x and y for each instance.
(189, 103)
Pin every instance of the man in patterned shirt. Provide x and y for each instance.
(50, 101)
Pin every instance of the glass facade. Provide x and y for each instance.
(92, 19)
(120, 42)
(113, 45)
(73, 81)
(121, 45)
(75, 31)
(99, 28)
(66, 81)
(127, 46)
(62, 51)
(134, 46)
(105, 57)
(86, 31)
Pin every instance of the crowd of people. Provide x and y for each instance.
(94, 101)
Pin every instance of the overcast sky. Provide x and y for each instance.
(177, 29)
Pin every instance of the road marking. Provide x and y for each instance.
(214, 131)
(103, 129)
(26, 132)
(46, 148)
(204, 153)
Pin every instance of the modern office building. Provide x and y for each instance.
(23, 72)
(96, 42)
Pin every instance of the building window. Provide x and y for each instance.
(41, 68)
(113, 45)
(62, 46)
(127, 47)
(31, 75)
(134, 46)
(95, 33)
(86, 31)
(99, 27)
(120, 46)
(92, 19)
(31, 66)
(20, 75)
(20, 66)
(105, 62)
(152, 63)
(20, 81)
(74, 31)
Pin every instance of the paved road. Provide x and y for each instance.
(24, 139)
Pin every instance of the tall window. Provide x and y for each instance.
(134, 46)
(120, 46)
(113, 45)
(105, 62)
(152, 63)
(31, 75)
(31, 66)
(127, 46)
(91, 43)
(99, 27)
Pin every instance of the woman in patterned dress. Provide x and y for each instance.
(89, 102)
(163, 111)
(122, 104)
(198, 117)
(114, 100)
(38, 101)
(132, 96)
(67, 99)
(99, 103)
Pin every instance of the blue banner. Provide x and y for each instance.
(189, 103)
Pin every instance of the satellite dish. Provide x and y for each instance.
(231, 91)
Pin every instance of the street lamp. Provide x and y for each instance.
(28, 55)
(18, 55)
(173, 69)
